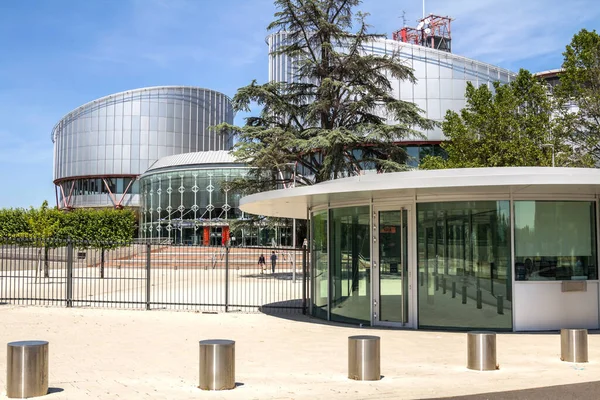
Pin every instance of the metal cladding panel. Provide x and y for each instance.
(124, 133)
(441, 76)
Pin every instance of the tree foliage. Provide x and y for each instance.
(333, 118)
(580, 86)
(511, 125)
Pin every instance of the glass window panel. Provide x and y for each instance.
(463, 261)
(555, 240)
(350, 264)
(413, 155)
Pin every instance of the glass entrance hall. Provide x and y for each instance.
(505, 249)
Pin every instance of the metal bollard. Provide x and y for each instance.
(481, 351)
(364, 358)
(574, 345)
(479, 299)
(444, 285)
(437, 282)
(453, 289)
(464, 295)
(27, 369)
(217, 364)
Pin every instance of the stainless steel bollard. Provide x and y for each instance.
(574, 345)
(364, 358)
(27, 369)
(217, 364)
(481, 351)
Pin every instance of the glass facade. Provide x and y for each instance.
(464, 265)
(320, 257)
(555, 240)
(193, 206)
(125, 133)
(463, 262)
(350, 270)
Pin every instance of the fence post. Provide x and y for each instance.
(226, 278)
(304, 280)
(69, 273)
(148, 282)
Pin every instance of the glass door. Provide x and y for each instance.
(391, 272)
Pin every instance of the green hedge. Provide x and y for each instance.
(103, 228)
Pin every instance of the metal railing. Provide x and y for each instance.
(152, 276)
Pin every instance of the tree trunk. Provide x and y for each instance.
(46, 264)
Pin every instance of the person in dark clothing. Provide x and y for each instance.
(273, 261)
(261, 263)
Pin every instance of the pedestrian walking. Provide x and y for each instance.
(261, 263)
(273, 261)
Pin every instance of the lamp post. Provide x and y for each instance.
(552, 146)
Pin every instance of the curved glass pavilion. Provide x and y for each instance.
(491, 248)
(187, 199)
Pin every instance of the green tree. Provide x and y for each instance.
(509, 126)
(330, 121)
(580, 87)
(103, 229)
(43, 227)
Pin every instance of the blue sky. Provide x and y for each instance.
(59, 54)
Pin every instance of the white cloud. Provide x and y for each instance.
(504, 32)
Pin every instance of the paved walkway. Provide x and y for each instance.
(109, 354)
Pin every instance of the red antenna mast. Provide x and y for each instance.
(432, 31)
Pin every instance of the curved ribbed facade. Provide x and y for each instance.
(441, 77)
(102, 147)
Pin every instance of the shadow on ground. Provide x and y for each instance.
(579, 391)
(292, 310)
(283, 276)
(52, 390)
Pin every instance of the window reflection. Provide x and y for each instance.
(463, 258)
(555, 240)
(319, 264)
(350, 264)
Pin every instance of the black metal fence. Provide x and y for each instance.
(152, 276)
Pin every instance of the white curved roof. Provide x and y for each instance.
(431, 185)
(197, 158)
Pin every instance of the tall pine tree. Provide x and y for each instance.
(333, 118)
